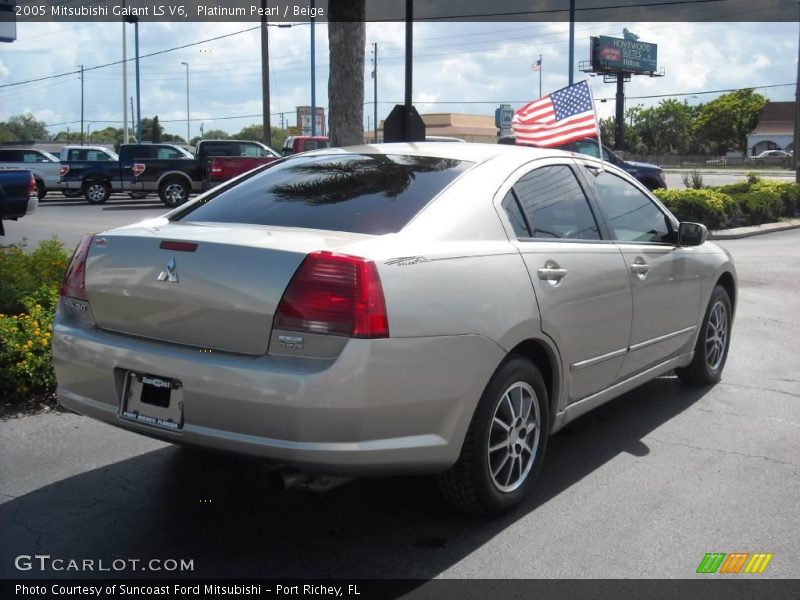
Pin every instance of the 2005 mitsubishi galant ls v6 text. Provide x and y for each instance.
(400, 308)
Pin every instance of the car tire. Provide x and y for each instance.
(72, 193)
(96, 192)
(41, 191)
(173, 192)
(711, 349)
(504, 447)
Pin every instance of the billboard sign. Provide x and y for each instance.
(304, 120)
(616, 55)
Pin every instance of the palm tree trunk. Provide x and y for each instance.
(346, 41)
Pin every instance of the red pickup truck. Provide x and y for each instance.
(229, 158)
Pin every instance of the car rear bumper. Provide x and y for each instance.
(398, 405)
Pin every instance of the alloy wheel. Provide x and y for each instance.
(513, 437)
(716, 335)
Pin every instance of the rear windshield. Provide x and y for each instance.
(360, 193)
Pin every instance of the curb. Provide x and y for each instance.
(743, 232)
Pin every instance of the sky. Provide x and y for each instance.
(458, 67)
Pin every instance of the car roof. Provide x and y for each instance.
(475, 152)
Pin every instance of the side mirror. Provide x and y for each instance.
(692, 234)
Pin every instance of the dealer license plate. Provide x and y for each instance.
(152, 400)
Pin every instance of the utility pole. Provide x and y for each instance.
(265, 100)
(81, 105)
(571, 43)
(313, 79)
(188, 127)
(133, 127)
(375, 89)
(797, 113)
(619, 130)
(124, 85)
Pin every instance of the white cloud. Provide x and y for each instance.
(453, 62)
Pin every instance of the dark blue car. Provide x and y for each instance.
(651, 176)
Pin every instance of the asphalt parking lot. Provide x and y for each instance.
(642, 487)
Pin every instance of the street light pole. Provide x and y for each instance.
(188, 131)
(81, 105)
(135, 20)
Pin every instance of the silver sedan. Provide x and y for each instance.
(401, 308)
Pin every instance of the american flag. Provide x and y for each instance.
(563, 116)
(537, 66)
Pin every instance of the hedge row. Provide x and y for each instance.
(750, 202)
(29, 284)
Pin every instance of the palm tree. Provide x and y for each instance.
(346, 39)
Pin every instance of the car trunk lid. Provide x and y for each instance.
(206, 285)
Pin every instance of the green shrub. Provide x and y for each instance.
(23, 273)
(710, 207)
(29, 285)
(693, 180)
(760, 206)
(26, 367)
(733, 189)
(789, 194)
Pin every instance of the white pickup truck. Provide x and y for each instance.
(44, 166)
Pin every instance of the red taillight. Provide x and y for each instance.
(216, 168)
(138, 169)
(32, 187)
(63, 170)
(74, 284)
(334, 294)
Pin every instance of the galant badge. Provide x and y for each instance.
(169, 273)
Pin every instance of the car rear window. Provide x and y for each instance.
(360, 193)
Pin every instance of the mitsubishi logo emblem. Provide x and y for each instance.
(169, 274)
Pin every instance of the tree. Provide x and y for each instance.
(726, 121)
(148, 129)
(156, 131)
(346, 39)
(22, 128)
(216, 134)
(256, 134)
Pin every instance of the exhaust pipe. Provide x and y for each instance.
(287, 478)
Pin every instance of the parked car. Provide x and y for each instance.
(396, 308)
(773, 157)
(230, 158)
(18, 196)
(294, 144)
(651, 176)
(43, 165)
(84, 153)
(167, 169)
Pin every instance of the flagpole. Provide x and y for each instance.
(597, 126)
(540, 75)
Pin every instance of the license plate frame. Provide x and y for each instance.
(152, 400)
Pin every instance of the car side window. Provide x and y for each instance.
(169, 153)
(514, 214)
(555, 205)
(630, 214)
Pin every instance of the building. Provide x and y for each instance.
(470, 128)
(775, 129)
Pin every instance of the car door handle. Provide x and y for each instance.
(551, 274)
(640, 268)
